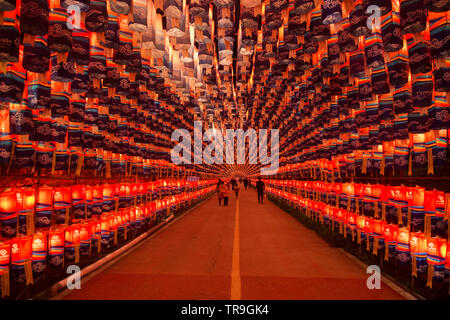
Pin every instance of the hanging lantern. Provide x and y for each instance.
(39, 254)
(85, 239)
(390, 239)
(62, 200)
(56, 247)
(436, 255)
(21, 271)
(44, 207)
(417, 210)
(8, 214)
(418, 243)
(72, 244)
(79, 202)
(403, 254)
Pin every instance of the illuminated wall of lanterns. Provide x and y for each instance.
(401, 224)
(45, 228)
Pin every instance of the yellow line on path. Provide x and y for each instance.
(235, 264)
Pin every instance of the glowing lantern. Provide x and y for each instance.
(44, 207)
(85, 239)
(8, 214)
(62, 200)
(21, 249)
(108, 198)
(436, 255)
(39, 254)
(417, 209)
(79, 202)
(418, 244)
(97, 205)
(390, 232)
(89, 201)
(403, 245)
(56, 247)
(105, 231)
(72, 243)
(26, 199)
(429, 210)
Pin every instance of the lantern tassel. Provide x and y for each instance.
(430, 275)
(4, 277)
(375, 246)
(80, 162)
(410, 164)
(399, 215)
(30, 223)
(430, 161)
(12, 156)
(409, 218)
(386, 252)
(28, 273)
(53, 162)
(414, 266)
(66, 222)
(77, 253)
(383, 212)
(358, 239)
(377, 215)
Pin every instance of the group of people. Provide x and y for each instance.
(223, 189)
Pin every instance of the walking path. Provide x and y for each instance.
(243, 251)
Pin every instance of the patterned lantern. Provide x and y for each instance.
(8, 214)
(21, 271)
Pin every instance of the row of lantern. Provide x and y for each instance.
(25, 258)
(22, 210)
(333, 159)
(381, 77)
(378, 236)
(419, 209)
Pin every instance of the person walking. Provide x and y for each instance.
(226, 193)
(260, 187)
(236, 191)
(245, 183)
(219, 191)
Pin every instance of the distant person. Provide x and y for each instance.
(245, 183)
(236, 191)
(219, 193)
(226, 193)
(233, 182)
(260, 187)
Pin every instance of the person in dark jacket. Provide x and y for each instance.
(260, 187)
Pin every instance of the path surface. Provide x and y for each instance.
(243, 251)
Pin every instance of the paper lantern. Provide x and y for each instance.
(62, 200)
(8, 214)
(85, 239)
(79, 202)
(56, 247)
(39, 254)
(44, 207)
(436, 255)
(21, 249)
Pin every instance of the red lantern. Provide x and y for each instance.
(418, 243)
(56, 241)
(44, 207)
(62, 200)
(8, 214)
(21, 250)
